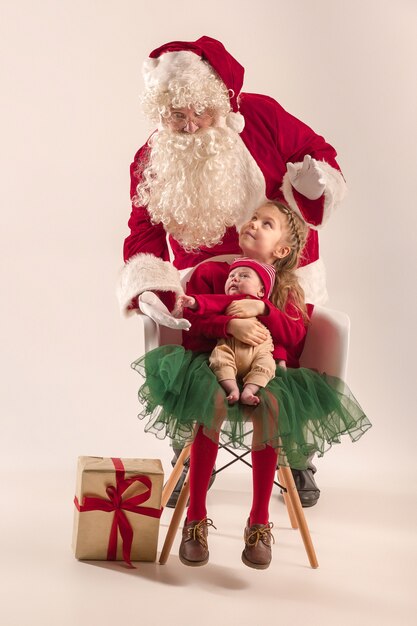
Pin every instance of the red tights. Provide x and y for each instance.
(202, 459)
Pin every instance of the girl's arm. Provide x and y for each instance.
(287, 328)
(209, 280)
(209, 319)
(207, 304)
(281, 324)
(216, 303)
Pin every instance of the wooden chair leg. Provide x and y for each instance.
(175, 521)
(175, 475)
(288, 482)
(290, 509)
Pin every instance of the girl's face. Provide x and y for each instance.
(263, 238)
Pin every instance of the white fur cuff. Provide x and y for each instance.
(146, 272)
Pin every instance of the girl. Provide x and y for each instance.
(300, 411)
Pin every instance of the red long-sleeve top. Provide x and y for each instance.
(287, 327)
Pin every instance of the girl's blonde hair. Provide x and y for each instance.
(287, 286)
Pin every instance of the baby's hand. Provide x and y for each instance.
(183, 302)
(154, 308)
(282, 363)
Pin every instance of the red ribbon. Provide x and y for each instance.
(118, 505)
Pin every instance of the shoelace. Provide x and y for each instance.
(197, 532)
(260, 534)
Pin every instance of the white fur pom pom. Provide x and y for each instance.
(235, 121)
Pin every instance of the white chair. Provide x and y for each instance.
(327, 343)
(325, 350)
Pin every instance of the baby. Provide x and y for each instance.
(232, 358)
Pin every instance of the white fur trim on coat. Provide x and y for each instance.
(334, 192)
(146, 272)
(312, 279)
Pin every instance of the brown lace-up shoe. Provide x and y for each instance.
(257, 552)
(194, 548)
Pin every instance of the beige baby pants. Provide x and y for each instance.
(254, 364)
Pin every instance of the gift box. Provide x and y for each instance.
(117, 509)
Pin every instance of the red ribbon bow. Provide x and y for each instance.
(118, 505)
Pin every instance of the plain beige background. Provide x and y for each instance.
(70, 81)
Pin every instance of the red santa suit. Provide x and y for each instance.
(272, 138)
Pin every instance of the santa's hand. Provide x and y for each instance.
(309, 179)
(153, 307)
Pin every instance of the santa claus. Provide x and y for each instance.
(216, 155)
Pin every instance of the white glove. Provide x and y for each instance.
(154, 308)
(309, 179)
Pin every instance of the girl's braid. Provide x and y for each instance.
(297, 228)
(286, 282)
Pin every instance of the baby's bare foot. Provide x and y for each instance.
(232, 390)
(248, 395)
(233, 397)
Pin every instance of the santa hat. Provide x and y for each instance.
(265, 272)
(182, 61)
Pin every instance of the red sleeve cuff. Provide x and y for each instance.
(280, 353)
(221, 326)
(201, 308)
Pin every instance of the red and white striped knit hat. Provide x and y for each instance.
(265, 272)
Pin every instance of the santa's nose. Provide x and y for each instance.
(190, 127)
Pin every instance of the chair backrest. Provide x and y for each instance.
(327, 343)
(326, 346)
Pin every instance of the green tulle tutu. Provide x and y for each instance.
(300, 412)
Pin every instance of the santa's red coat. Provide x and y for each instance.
(273, 138)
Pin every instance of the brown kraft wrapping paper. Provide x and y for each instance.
(96, 479)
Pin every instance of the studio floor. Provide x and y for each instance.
(364, 536)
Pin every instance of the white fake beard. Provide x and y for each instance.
(197, 185)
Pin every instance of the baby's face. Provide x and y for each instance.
(244, 280)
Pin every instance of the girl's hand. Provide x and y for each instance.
(246, 308)
(283, 364)
(181, 303)
(248, 330)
